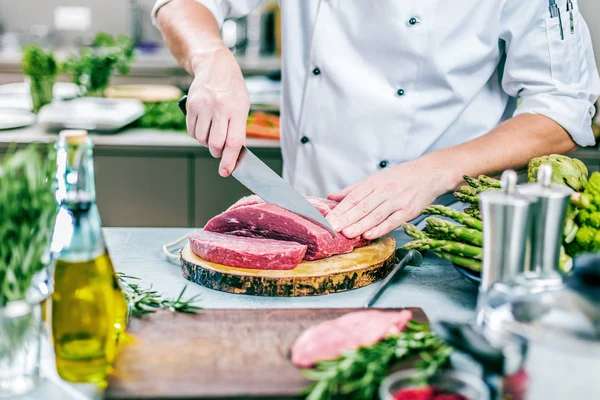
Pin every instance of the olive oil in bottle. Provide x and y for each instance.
(89, 311)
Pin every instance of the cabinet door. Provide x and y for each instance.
(214, 194)
(143, 191)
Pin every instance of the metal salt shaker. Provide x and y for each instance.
(547, 233)
(507, 220)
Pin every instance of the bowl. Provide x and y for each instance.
(472, 276)
(455, 382)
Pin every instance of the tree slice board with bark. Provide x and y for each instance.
(216, 354)
(365, 265)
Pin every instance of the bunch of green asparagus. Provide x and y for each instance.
(463, 244)
(460, 244)
(468, 193)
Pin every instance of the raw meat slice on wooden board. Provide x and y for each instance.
(263, 220)
(245, 252)
(327, 340)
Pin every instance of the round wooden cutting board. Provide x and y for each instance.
(365, 265)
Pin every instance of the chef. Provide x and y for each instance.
(388, 103)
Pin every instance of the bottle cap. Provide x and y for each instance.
(73, 136)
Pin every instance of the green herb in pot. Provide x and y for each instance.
(42, 69)
(163, 115)
(93, 68)
(27, 212)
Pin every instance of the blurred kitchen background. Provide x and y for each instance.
(149, 172)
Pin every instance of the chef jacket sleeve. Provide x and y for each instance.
(221, 9)
(552, 76)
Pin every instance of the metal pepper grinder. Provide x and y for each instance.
(507, 218)
(547, 234)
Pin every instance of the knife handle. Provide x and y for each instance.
(182, 103)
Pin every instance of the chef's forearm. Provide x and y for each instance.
(190, 31)
(510, 145)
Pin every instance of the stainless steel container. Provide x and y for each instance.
(547, 233)
(507, 218)
(538, 345)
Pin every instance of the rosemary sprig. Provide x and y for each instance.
(146, 301)
(357, 374)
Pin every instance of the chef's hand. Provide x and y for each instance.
(217, 107)
(378, 205)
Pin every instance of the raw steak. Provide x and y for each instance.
(244, 252)
(327, 340)
(323, 205)
(253, 218)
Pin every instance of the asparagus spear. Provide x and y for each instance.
(465, 198)
(446, 246)
(458, 216)
(449, 230)
(470, 263)
(473, 211)
(470, 191)
(490, 182)
(471, 181)
(414, 232)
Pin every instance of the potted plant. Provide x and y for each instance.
(93, 68)
(27, 212)
(41, 69)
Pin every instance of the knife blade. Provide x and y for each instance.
(253, 173)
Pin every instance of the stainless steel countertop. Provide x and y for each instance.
(134, 139)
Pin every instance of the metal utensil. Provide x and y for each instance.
(251, 172)
(412, 257)
(506, 225)
(538, 345)
(547, 233)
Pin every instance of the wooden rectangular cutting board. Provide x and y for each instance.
(217, 353)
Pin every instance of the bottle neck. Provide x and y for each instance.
(79, 233)
(74, 169)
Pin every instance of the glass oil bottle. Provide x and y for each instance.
(88, 309)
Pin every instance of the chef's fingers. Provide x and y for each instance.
(339, 196)
(351, 200)
(392, 222)
(364, 208)
(370, 220)
(190, 123)
(236, 138)
(217, 135)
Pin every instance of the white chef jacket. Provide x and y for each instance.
(368, 84)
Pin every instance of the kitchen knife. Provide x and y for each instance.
(251, 172)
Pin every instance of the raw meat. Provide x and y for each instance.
(323, 205)
(327, 340)
(244, 252)
(251, 217)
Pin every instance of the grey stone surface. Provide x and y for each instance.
(435, 286)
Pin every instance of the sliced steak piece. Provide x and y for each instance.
(263, 220)
(245, 252)
(327, 340)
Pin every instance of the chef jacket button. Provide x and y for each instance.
(383, 164)
(304, 140)
(413, 21)
(316, 71)
(400, 92)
